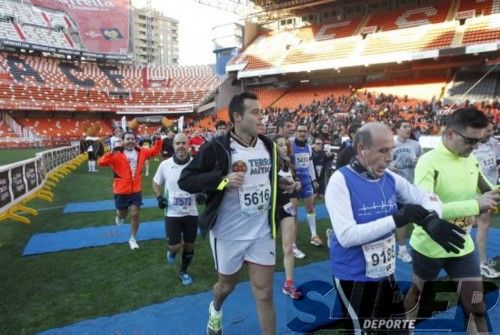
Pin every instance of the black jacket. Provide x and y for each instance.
(209, 167)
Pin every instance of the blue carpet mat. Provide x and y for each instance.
(103, 205)
(109, 205)
(99, 236)
(317, 310)
(91, 237)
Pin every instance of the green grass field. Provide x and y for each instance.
(8, 156)
(53, 290)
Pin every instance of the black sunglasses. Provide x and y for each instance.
(468, 140)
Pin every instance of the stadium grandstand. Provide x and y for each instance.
(66, 76)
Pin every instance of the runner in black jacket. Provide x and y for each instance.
(239, 174)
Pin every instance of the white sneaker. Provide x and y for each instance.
(488, 270)
(133, 243)
(404, 255)
(297, 253)
(119, 221)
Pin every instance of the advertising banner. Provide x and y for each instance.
(17, 181)
(103, 25)
(5, 197)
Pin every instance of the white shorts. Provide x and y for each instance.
(229, 255)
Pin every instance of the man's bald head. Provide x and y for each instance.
(374, 143)
(181, 146)
(180, 137)
(365, 134)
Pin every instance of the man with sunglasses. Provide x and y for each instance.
(181, 213)
(453, 174)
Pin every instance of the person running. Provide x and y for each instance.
(451, 172)
(181, 213)
(238, 172)
(361, 199)
(302, 161)
(488, 155)
(404, 159)
(287, 212)
(126, 160)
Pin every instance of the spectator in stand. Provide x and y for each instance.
(285, 129)
(404, 160)
(195, 142)
(324, 134)
(126, 161)
(220, 128)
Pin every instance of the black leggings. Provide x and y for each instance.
(185, 225)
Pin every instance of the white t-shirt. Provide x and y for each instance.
(132, 159)
(180, 203)
(243, 212)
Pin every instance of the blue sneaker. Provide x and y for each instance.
(170, 258)
(185, 278)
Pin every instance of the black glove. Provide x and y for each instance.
(162, 202)
(201, 198)
(444, 233)
(409, 213)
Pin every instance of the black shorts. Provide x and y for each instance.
(364, 302)
(185, 225)
(92, 155)
(124, 201)
(285, 209)
(466, 266)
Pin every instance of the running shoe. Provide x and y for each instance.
(170, 258)
(316, 240)
(292, 291)
(214, 325)
(133, 243)
(297, 253)
(185, 278)
(404, 255)
(119, 221)
(488, 269)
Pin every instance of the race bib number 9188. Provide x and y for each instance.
(380, 257)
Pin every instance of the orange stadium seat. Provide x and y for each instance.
(42, 84)
(406, 18)
(306, 95)
(481, 7)
(482, 29)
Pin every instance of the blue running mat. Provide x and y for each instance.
(99, 236)
(91, 237)
(317, 309)
(109, 205)
(103, 205)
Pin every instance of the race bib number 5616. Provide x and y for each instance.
(254, 199)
